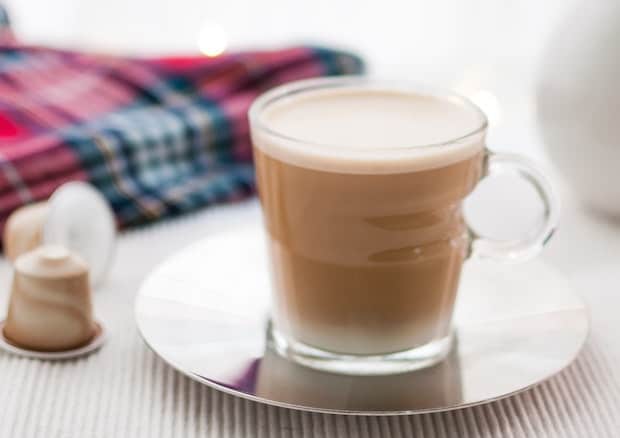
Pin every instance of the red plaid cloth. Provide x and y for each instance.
(158, 137)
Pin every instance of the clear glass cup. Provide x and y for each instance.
(366, 260)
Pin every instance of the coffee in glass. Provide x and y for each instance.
(361, 185)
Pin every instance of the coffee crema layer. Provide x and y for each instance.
(370, 130)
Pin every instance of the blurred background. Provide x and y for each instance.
(488, 49)
(492, 51)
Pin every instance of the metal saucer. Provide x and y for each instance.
(205, 312)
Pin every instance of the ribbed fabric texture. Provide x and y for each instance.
(125, 390)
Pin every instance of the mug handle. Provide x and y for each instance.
(518, 250)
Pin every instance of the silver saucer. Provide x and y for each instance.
(205, 312)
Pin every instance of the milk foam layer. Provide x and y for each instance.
(369, 130)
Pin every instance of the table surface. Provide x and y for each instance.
(126, 390)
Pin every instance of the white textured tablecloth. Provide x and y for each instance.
(125, 390)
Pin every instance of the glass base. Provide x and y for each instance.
(361, 365)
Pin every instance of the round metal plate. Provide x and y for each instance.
(205, 311)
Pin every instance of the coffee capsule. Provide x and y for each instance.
(76, 216)
(23, 231)
(50, 307)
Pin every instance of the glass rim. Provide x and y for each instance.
(276, 94)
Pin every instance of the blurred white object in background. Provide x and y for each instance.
(488, 102)
(471, 85)
(212, 40)
(579, 102)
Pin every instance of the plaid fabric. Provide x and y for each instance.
(158, 137)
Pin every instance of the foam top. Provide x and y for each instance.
(369, 130)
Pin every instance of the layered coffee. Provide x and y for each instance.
(361, 190)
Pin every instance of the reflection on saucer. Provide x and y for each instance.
(281, 379)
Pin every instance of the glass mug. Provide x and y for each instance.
(361, 184)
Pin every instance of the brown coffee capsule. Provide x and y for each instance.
(23, 231)
(50, 307)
